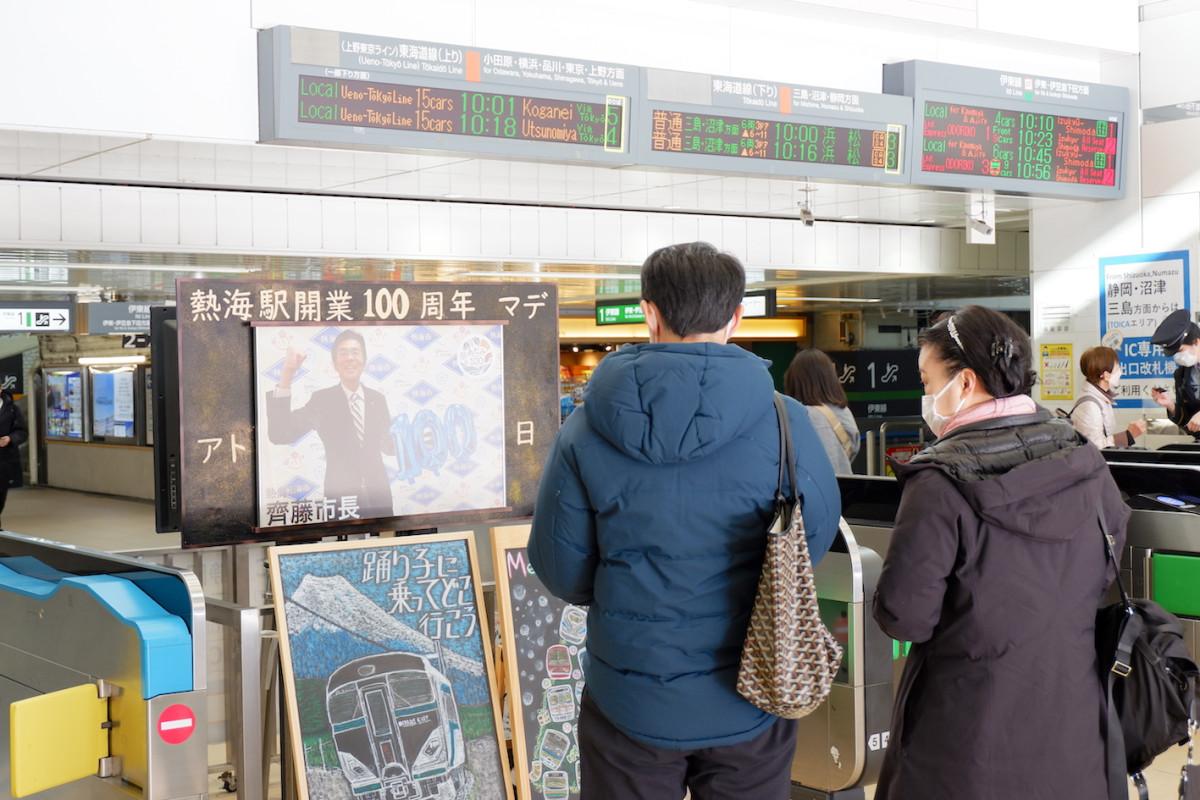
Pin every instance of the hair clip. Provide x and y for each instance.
(1003, 348)
(954, 335)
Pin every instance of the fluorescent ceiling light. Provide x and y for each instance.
(839, 300)
(591, 276)
(47, 288)
(850, 216)
(111, 360)
(926, 221)
(132, 267)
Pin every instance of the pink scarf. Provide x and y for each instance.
(1017, 405)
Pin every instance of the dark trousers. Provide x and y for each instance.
(616, 767)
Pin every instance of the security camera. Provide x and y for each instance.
(980, 226)
(807, 217)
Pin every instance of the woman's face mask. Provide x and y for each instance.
(1114, 378)
(938, 422)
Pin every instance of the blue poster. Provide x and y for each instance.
(1136, 293)
(392, 692)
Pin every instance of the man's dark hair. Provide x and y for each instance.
(812, 379)
(992, 345)
(348, 336)
(695, 287)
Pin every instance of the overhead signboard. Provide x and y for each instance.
(759, 304)
(113, 318)
(36, 317)
(1014, 133)
(332, 88)
(880, 383)
(712, 122)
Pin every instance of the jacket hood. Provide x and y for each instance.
(1021, 474)
(669, 403)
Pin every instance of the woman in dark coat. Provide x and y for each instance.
(13, 433)
(995, 571)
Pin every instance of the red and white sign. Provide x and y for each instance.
(176, 724)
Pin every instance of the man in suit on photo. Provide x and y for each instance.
(352, 420)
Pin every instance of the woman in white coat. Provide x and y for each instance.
(1093, 414)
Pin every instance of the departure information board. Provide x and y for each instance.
(331, 88)
(709, 122)
(396, 107)
(1014, 133)
(972, 140)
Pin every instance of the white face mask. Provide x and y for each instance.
(937, 422)
(1185, 358)
(1114, 379)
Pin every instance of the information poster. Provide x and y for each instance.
(1136, 293)
(1058, 372)
(378, 421)
(113, 403)
(545, 644)
(391, 690)
(64, 404)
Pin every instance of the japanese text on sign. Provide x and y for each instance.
(438, 587)
(337, 305)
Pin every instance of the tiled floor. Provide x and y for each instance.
(109, 523)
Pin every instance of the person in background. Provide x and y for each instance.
(1179, 338)
(653, 511)
(1092, 414)
(812, 379)
(14, 432)
(996, 568)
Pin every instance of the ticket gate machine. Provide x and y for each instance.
(102, 676)
(1161, 561)
(840, 746)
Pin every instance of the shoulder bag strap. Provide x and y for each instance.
(1087, 398)
(1118, 669)
(839, 430)
(787, 452)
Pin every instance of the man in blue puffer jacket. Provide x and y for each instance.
(653, 511)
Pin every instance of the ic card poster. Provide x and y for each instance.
(545, 644)
(378, 421)
(391, 690)
(1137, 292)
(64, 404)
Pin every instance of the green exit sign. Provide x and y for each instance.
(619, 314)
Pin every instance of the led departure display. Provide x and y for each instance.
(1025, 145)
(425, 109)
(745, 137)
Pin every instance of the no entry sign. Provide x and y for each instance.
(176, 724)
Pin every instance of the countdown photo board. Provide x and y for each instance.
(459, 397)
(1013, 133)
(544, 643)
(699, 121)
(388, 673)
(378, 421)
(332, 88)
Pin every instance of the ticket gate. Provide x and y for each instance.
(841, 745)
(102, 674)
(1161, 560)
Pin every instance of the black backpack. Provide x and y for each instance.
(1150, 680)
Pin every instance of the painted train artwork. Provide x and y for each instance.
(396, 728)
(385, 647)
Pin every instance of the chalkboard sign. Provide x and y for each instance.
(880, 383)
(544, 644)
(391, 690)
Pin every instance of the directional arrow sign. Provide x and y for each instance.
(35, 317)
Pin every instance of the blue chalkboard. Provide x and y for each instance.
(391, 686)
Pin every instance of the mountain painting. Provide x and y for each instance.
(392, 692)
